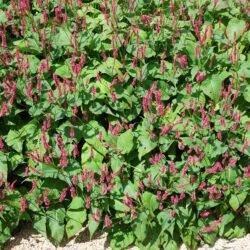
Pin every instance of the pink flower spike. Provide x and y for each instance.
(200, 76)
(204, 214)
(23, 204)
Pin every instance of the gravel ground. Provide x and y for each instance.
(29, 239)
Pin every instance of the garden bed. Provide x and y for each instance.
(29, 239)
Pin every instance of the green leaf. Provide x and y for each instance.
(218, 148)
(77, 215)
(230, 175)
(5, 232)
(116, 162)
(40, 224)
(62, 38)
(221, 4)
(34, 63)
(244, 70)
(188, 237)
(112, 62)
(246, 93)
(119, 206)
(94, 163)
(149, 52)
(56, 189)
(166, 222)
(121, 238)
(63, 71)
(171, 245)
(131, 189)
(212, 85)
(55, 219)
(92, 225)
(90, 134)
(28, 130)
(140, 228)
(240, 226)
(144, 143)
(3, 167)
(29, 45)
(125, 141)
(190, 45)
(237, 199)
(14, 140)
(3, 17)
(142, 35)
(57, 113)
(15, 159)
(149, 201)
(98, 108)
(51, 171)
(223, 226)
(235, 26)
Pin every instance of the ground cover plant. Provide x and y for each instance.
(131, 117)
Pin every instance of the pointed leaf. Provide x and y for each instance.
(236, 200)
(149, 201)
(3, 167)
(212, 85)
(14, 140)
(235, 28)
(125, 141)
(55, 218)
(92, 225)
(77, 216)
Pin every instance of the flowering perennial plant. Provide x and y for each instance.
(129, 116)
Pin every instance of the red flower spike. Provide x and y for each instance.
(23, 204)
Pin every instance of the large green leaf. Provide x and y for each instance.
(119, 206)
(121, 238)
(28, 130)
(94, 163)
(244, 70)
(40, 224)
(55, 219)
(29, 45)
(246, 93)
(220, 5)
(5, 232)
(140, 228)
(76, 215)
(125, 141)
(51, 171)
(166, 222)
(131, 189)
(3, 167)
(15, 159)
(211, 86)
(34, 63)
(235, 28)
(62, 38)
(90, 134)
(3, 17)
(223, 226)
(116, 163)
(190, 45)
(237, 199)
(144, 143)
(92, 224)
(63, 71)
(149, 201)
(14, 140)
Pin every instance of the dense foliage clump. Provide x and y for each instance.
(129, 116)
